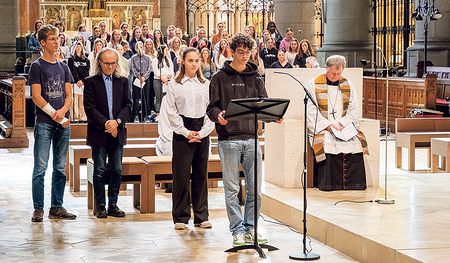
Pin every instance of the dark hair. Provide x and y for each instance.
(161, 56)
(74, 55)
(161, 39)
(271, 23)
(80, 27)
(35, 25)
(93, 31)
(58, 23)
(182, 71)
(123, 23)
(289, 30)
(241, 40)
(300, 50)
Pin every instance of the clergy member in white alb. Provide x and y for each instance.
(340, 163)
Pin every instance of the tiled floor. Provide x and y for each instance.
(135, 238)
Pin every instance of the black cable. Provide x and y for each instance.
(351, 201)
(290, 228)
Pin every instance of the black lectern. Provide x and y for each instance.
(264, 109)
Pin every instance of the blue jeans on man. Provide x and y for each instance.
(46, 135)
(233, 152)
(114, 151)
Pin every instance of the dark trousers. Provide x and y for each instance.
(114, 151)
(147, 97)
(185, 155)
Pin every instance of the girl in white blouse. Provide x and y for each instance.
(163, 70)
(187, 98)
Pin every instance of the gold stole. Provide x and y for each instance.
(321, 90)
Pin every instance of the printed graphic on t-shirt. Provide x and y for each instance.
(54, 87)
(80, 64)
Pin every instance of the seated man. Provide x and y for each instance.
(340, 163)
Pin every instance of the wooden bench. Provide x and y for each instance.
(79, 152)
(440, 147)
(137, 133)
(417, 133)
(160, 170)
(134, 171)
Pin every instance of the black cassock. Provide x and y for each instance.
(341, 172)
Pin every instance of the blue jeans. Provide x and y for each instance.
(45, 135)
(114, 151)
(233, 152)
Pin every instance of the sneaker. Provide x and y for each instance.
(136, 119)
(38, 215)
(204, 224)
(239, 240)
(180, 226)
(250, 237)
(60, 213)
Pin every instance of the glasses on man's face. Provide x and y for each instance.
(109, 64)
(243, 53)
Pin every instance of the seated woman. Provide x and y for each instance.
(281, 63)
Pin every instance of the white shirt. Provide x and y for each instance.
(290, 57)
(331, 143)
(164, 142)
(190, 99)
(165, 71)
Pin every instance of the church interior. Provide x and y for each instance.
(398, 60)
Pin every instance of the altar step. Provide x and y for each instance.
(286, 206)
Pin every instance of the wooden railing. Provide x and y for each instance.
(12, 107)
(404, 95)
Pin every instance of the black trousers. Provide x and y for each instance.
(187, 155)
(341, 172)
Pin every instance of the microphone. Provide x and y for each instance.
(305, 89)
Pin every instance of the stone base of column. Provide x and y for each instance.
(352, 53)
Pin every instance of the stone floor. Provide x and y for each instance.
(135, 238)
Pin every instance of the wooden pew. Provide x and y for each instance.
(80, 152)
(417, 133)
(160, 170)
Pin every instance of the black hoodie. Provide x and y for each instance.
(228, 84)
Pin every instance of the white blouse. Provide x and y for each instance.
(165, 71)
(190, 99)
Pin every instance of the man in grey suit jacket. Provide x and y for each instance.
(107, 103)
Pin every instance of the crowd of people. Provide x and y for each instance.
(184, 85)
(151, 59)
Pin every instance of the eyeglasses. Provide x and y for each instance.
(242, 53)
(109, 64)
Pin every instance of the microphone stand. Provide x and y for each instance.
(303, 255)
(386, 201)
(140, 72)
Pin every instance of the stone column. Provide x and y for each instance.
(438, 40)
(180, 14)
(346, 31)
(33, 13)
(298, 15)
(21, 38)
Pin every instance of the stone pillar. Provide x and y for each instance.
(180, 14)
(438, 40)
(33, 13)
(21, 38)
(346, 31)
(298, 15)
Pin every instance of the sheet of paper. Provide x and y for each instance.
(347, 133)
(137, 83)
(78, 90)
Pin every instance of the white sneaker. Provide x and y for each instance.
(239, 240)
(204, 224)
(180, 226)
(250, 237)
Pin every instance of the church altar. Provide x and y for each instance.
(284, 142)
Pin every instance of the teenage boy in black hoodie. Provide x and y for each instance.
(236, 80)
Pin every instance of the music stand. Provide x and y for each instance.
(264, 109)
